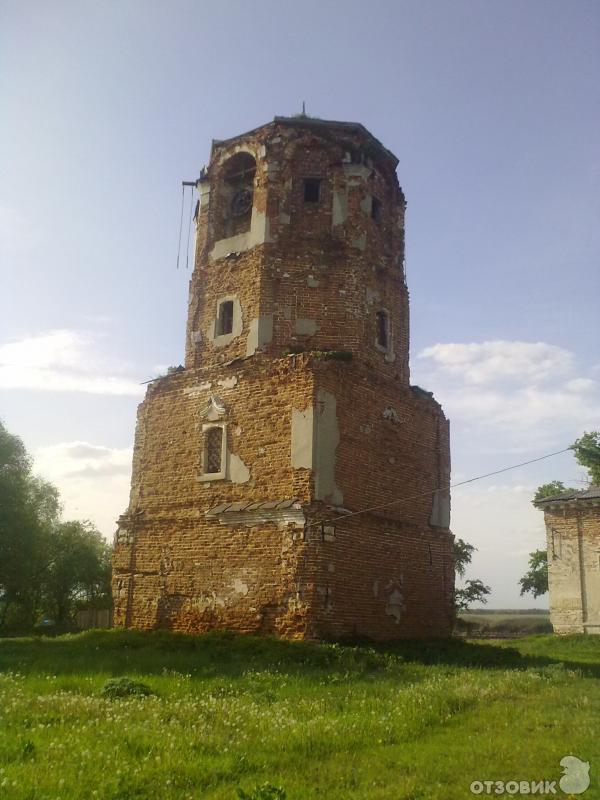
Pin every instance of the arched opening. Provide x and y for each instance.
(236, 194)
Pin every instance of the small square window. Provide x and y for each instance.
(225, 318)
(376, 209)
(312, 190)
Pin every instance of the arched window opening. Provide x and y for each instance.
(237, 195)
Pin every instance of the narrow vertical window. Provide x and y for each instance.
(383, 330)
(312, 190)
(376, 209)
(225, 318)
(213, 450)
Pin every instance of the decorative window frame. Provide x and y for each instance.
(220, 318)
(214, 476)
(223, 339)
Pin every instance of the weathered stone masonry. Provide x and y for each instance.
(294, 411)
(573, 546)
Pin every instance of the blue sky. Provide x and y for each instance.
(493, 111)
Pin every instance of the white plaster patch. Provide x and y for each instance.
(312, 282)
(238, 471)
(327, 438)
(360, 242)
(440, 510)
(258, 234)
(306, 327)
(329, 533)
(239, 587)
(194, 391)
(357, 170)
(395, 606)
(302, 438)
(372, 295)
(392, 415)
(228, 383)
(339, 211)
(259, 334)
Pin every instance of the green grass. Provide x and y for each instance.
(507, 622)
(412, 721)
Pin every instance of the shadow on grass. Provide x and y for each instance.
(226, 655)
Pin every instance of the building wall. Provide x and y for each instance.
(320, 421)
(297, 425)
(573, 543)
(311, 275)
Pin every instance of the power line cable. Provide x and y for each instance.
(180, 224)
(187, 257)
(440, 488)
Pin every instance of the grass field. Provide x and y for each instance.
(413, 721)
(512, 623)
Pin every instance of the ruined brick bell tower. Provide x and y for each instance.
(266, 474)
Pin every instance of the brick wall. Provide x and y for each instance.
(573, 545)
(276, 546)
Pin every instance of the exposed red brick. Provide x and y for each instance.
(335, 432)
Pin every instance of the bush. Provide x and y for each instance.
(125, 687)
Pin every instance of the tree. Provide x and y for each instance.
(474, 590)
(587, 453)
(46, 566)
(536, 580)
(78, 569)
(550, 489)
(29, 508)
(463, 552)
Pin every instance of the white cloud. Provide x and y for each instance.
(93, 480)
(508, 402)
(488, 362)
(63, 361)
(499, 388)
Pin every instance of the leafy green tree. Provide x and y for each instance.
(29, 508)
(463, 552)
(474, 590)
(536, 579)
(587, 453)
(550, 489)
(46, 566)
(78, 569)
